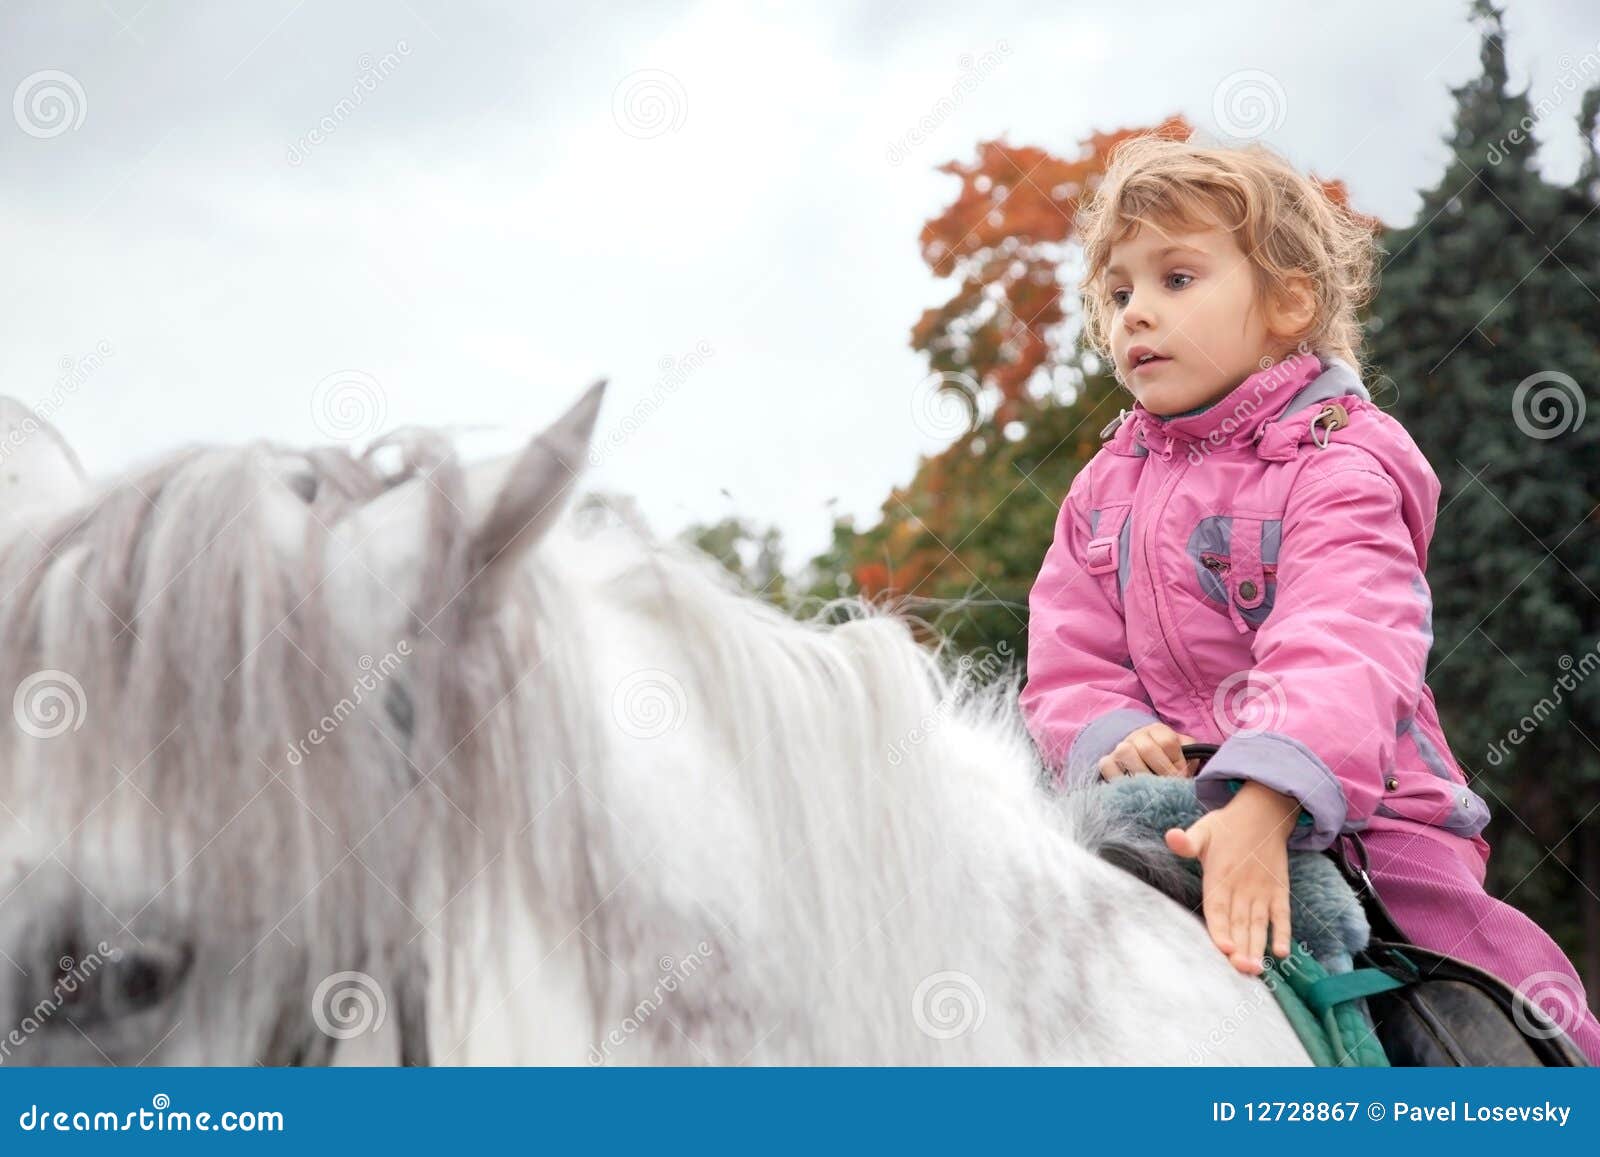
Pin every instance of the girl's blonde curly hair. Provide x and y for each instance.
(1284, 222)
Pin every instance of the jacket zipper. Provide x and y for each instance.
(1174, 647)
(1221, 566)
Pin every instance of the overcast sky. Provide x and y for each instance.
(301, 221)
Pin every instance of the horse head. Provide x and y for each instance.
(238, 795)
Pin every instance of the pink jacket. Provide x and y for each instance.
(1253, 575)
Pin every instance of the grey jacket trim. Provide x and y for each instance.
(1097, 739)
(1340, 378)
(1285, 765)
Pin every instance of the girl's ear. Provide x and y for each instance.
(1293, 307)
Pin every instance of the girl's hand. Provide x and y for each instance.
(1244, 856)
(1152, 748)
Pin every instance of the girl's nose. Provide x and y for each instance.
(1136, 315)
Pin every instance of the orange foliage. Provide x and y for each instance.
(1004, 236)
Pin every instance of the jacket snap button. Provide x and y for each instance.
(1247, 589)
(1391, 783)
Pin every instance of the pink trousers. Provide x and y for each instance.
(1432, 884)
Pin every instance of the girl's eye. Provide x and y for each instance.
(1119, 297)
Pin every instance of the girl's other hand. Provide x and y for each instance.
(1154, 748)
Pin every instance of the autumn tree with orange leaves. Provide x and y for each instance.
(1005, 238)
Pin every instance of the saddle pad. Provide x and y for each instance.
(1327, 923)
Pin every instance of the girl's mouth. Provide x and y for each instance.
(1149, 364)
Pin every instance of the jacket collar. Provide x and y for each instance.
(1248, 414)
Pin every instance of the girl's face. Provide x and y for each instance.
(1190, 298)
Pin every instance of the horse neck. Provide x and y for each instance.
(820, 801)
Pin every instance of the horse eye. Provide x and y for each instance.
(135, 980)
(147, 975)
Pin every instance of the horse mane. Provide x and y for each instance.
(864, 659)
(213, 616)
(876, 771)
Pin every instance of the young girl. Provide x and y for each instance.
(1243, 563)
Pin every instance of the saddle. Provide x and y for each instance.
(1434, 1009)
(1427, 1008)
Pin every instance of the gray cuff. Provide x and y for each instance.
(1285, 765)
(1097, 739)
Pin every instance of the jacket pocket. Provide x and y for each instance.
(1237, 561)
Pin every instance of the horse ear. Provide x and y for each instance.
(37, 465)
(530, 491)
(511, 502)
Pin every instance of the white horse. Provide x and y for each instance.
(314, 760)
